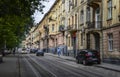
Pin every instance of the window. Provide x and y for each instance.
(69, 21)
(119, 41)
(81, 39)
(69, 5)
(72, 4)
(63, 1)
(88, 14)
(82, 17)
(97, 18)
(72, 20)
(52, 27)
(75, 2)
(110, 42)
(72, 39)
(75, 20)
(109, 9)
(69, 41)
(82, 1)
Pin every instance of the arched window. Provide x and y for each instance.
(82, 17)
(109, 9)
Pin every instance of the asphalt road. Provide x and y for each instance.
(50, 66)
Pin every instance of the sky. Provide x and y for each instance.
(38, 16)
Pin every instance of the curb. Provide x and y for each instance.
(108, 68)
(99, 66)
(63, 58)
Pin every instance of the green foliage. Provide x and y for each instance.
(15, 19)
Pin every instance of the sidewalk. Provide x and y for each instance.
(102, 65)
(9, 67)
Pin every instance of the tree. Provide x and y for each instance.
(15, 18)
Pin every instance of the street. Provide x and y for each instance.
(51, 66)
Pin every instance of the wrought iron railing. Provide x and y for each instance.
(95, 25)
(72, 27)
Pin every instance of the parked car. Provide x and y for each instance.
(87, 56)
(40, 53)
(33, 50)
(6, 51)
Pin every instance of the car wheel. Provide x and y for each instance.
(84, 62)
(98, 62)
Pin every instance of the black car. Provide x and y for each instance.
(40, 53)
(33, 50)
(86, 56)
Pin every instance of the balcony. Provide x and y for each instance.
(72, 28)
(93, 3)
(51, 37)
(96, 25)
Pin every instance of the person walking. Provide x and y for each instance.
(58, 51)
(14, 51)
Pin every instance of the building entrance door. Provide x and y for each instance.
(97, 41)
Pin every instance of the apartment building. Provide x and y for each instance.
(82, 24)
(111, 28)
(55, 23)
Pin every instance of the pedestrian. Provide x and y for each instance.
(58, 51)
(14, 51)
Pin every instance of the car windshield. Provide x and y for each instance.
(90, 53)
(39, 51)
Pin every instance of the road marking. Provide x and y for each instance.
(42, 66)
(33, 69)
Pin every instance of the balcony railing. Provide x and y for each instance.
(72, 27)
(95, 25)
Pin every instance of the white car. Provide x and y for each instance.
(24, 51)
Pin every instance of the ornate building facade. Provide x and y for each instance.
(81, 24)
